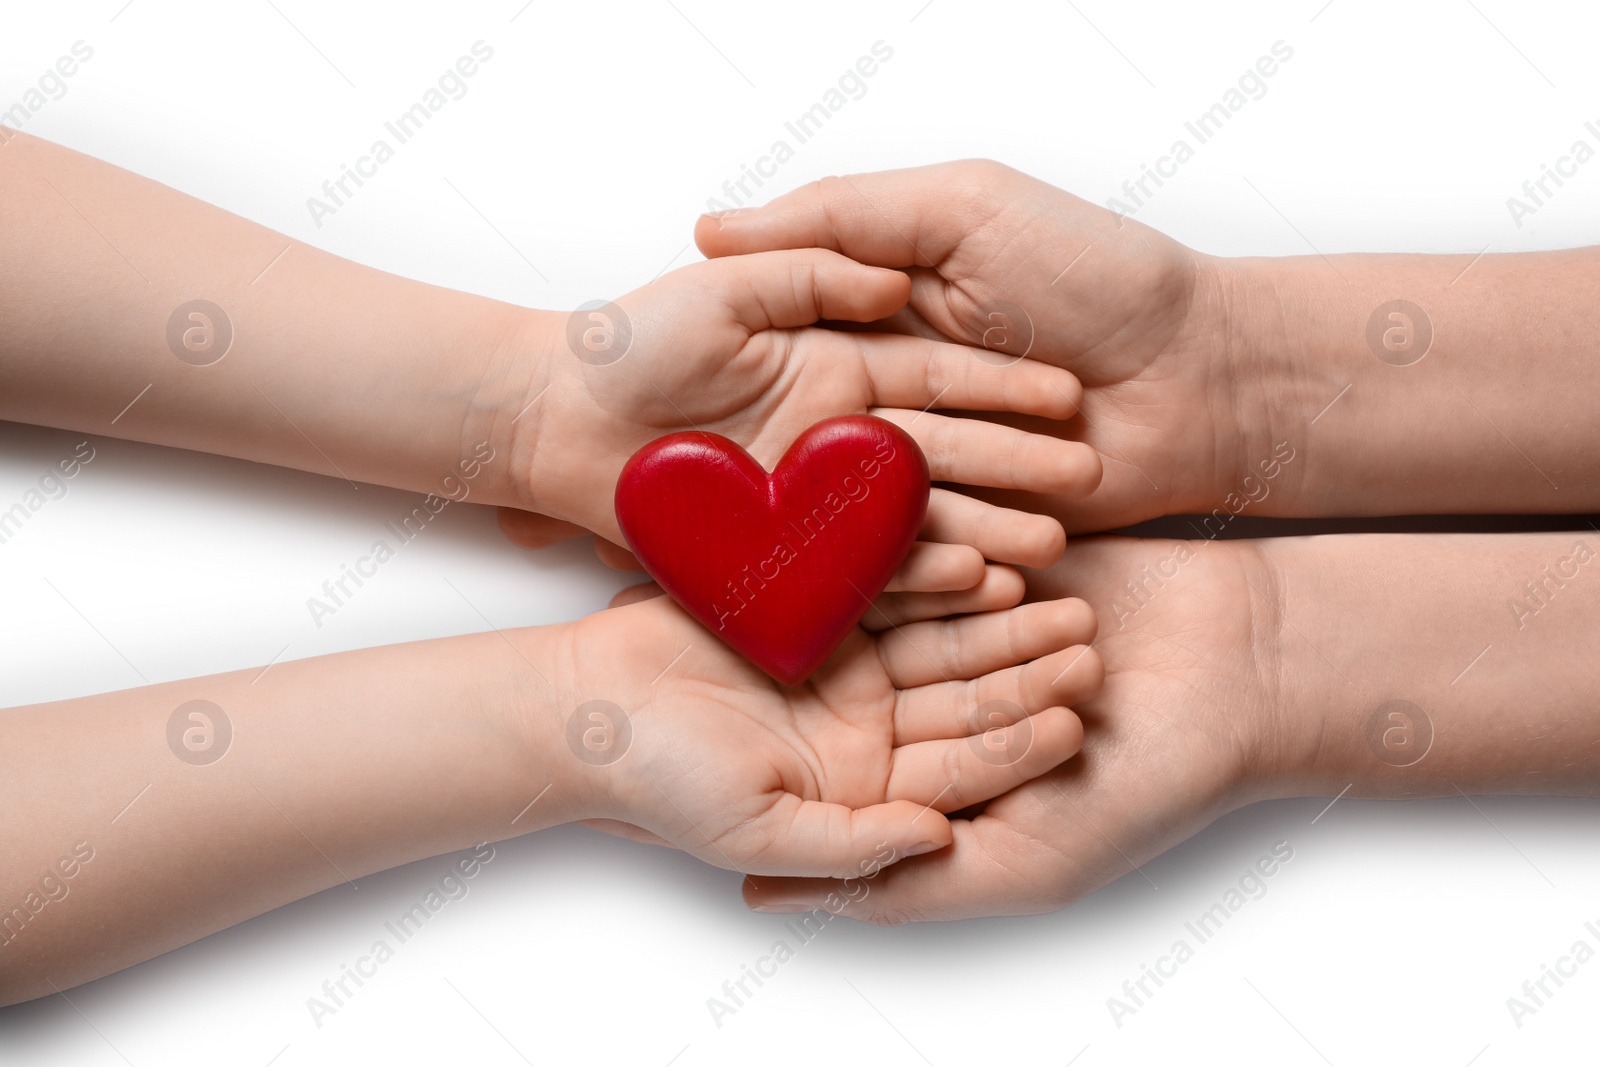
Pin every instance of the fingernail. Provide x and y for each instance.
(923, 847)
(781, 909)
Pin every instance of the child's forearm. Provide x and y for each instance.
(1416, 384)
(1414, 667)
(136, 822)
(332, 367)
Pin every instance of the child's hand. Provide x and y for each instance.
(1136, 316)
(862, 760)
(732, 347)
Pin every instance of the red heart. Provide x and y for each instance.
(779, 566)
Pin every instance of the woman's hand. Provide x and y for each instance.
(682, 741)
(732, 347)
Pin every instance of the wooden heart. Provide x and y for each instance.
(779, 566)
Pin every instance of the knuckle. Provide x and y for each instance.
(946, 446)
(1019, 458)
(993, 168)
(802, 283)
(985, 170)
(1017, 633)
(951, 765)
(948, 646)
(832, 193)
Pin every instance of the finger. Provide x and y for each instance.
(810, 837)
(528, 529)
(954, 709)
(896, 218)
(912, 372)
(635, 593)
(935, 568)
(625, 830)
(974, 645)
(979, 874)
(978, 452)
(615, 556)
(949, 775)
(1000, 588)
(790, 289)
(1000, 534)
(908, 320)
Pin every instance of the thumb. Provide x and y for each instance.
(791, 289)
(896, 218)
(817, 839)
(979, 874)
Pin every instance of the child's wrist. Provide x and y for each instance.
(520, 387)
(456, 434)
(546, 468)
(571, 739)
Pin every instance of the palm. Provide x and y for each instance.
(759, 386)
(1168, 756)
(1170, 747)
(732, 347)
(747, 774)
(830, 740)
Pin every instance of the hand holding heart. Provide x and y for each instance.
(1004, 260)
(732, 347)
(1182, 731)
(892, 732)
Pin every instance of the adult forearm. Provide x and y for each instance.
(136, 311)
(139, 821)
(1424, 384)
(1430, 666)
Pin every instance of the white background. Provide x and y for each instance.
(590, 141)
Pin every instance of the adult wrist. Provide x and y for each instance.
(1277, 369)
(1351, 691)
(1390, 374)
(1416, 667)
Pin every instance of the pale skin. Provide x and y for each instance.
(1205, 649)
(439, 745)
(1252, 672)
(344, 370)
(1195, 367)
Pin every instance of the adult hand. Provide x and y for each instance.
(1003, 261)
(1180, 733)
